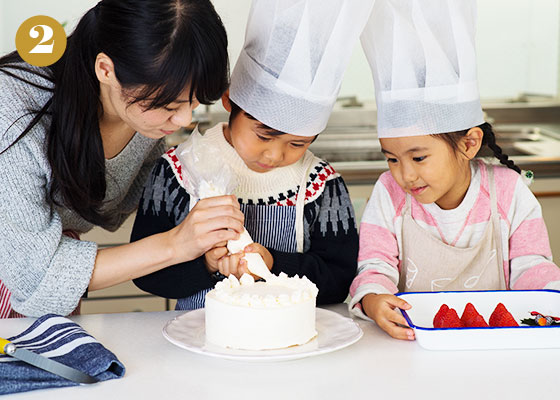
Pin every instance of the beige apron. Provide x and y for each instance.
(429, 264)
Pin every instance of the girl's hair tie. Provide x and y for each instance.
(527, 177)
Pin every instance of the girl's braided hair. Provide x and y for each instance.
(489, 139)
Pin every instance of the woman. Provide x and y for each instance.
(78, 139)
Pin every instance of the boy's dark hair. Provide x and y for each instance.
(488, 139)
(160, 47)
(236, 110)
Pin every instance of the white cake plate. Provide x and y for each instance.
(334, 333)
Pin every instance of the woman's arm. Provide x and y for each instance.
(47, 272)
(211, 221)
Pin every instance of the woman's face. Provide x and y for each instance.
(120, 114)
(428, 169)
(154, 123)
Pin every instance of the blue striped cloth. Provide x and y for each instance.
(62, 340)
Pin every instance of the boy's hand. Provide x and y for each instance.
(231, 264)
(236, 265)
(212, 256)
(382, 309)
(263, 251)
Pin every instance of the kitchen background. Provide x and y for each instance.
(518, 47)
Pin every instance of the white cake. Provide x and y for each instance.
(249, 315)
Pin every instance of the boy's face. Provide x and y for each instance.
(260, 148)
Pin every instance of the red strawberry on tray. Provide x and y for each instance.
(438, 319)
(471, 318)
(447, 318)
(501, 317)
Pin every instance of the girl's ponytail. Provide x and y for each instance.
(489, 139)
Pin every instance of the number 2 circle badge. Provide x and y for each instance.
(40, 40)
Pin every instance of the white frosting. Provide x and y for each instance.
(257, 266)
(237, 245)
(255, 262)
(245, 314)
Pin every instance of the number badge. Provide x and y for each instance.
(40, 40)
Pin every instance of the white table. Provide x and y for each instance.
(377, 367)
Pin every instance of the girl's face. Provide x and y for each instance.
(262, 151)
(428, 168)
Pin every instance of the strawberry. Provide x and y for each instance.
(438, 319)
(451, 319)
(477, 322)
(501, 317)
(447, 318)
(471, 318)
(469, 314)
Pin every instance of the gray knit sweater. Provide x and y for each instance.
(45, 271)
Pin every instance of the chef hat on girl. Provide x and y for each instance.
(422, 55)
(289, 72)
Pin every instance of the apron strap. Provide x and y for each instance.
(406, 207)
(492, 189)
(495, 220)
(300, 202)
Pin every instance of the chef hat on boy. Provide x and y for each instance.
(290, 69)
(422, 55)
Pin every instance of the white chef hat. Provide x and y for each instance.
(290, 69)
(422, 55)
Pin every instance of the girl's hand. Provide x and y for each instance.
(232, 264)
(382, 309)
(211, 221)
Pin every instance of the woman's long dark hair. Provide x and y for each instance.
(489, 139)
(158, 47)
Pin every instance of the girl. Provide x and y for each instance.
(78, 139)
(437, 220)
(297, 208)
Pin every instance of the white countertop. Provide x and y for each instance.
(377, 366)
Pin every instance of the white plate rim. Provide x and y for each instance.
(354, 333)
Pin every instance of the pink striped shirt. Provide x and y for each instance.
(527, 257)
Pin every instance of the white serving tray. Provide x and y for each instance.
(518, 302)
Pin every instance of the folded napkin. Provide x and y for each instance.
(62, 340)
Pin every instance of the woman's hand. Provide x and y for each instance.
(382, 309)
(212, 256)
(211, 221)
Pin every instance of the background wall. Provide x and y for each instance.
(518, 42)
